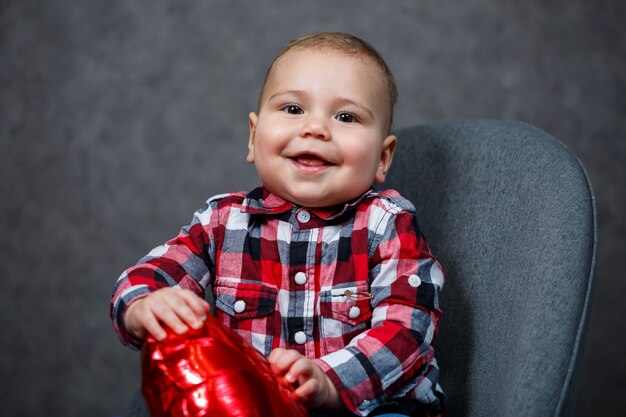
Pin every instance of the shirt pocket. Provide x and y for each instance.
(246, 307)
(345, 312)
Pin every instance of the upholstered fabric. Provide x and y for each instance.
(509, 212)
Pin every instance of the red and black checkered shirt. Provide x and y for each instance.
(353, 287)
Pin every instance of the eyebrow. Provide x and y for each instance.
(284, 93)
(341, 100)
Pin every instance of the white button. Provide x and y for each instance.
(415, 281)
(304, 216)
(300, 278)
(354, 312)
(300, 337)
(240, 306)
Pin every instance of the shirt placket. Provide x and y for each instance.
(300, 319)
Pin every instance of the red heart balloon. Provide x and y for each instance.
(212, 371)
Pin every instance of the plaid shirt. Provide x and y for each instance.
(353, 287)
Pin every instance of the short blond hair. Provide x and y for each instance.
(347, 44)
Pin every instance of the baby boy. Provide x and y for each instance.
(330, 279)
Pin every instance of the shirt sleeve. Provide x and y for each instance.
(396, 354)
(183, 262)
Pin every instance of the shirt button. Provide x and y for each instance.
(300, 278)
(415, 281)
(354, 312)
(240, 306)
(303, 216)
(300, 337)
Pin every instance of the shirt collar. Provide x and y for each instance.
(262, 201)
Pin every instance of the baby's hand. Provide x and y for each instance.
(312, 385)
(172, 307)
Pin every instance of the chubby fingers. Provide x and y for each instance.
(312, 384)
(188, 310)
(291, 364)
(310, 388)
(181, 309)
(199, 305)
(172, 307)
(281, 359)
(301, 370)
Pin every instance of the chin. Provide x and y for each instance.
(318, 201)
(309, 201)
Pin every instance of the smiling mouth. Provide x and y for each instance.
(311, 161)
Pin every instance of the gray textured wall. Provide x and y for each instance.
(118, 118)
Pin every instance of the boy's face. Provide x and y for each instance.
(320, 137)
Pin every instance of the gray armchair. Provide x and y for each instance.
(509, 212)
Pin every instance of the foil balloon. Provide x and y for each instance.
(212, 371)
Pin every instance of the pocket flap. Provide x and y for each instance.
(244, 299)
(349, 304)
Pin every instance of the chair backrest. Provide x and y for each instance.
(509, 212)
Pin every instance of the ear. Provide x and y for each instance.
(252, 121)
(386, 156)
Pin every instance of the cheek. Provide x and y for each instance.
(263, 146)
(362, 154)
(270, 141)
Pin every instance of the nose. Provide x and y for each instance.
(315, 127)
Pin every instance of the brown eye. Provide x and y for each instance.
(346, 118)
(292, 109)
